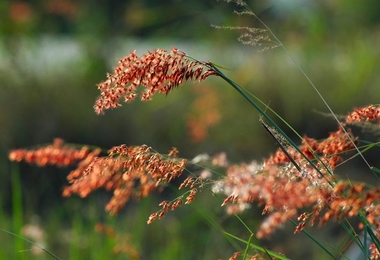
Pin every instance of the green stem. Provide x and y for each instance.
(265, 115)
(259, 248)
(17, 207)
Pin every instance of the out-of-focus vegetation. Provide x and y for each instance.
(53, 53)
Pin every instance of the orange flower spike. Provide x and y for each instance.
(368, 113)
(161, 214)
(152, 217)
(158, 71)
(191, 196)
(301, 226)
(173, 152)
(52, 154)
(177, 203)
(17, 155)
(235, 256)
(375, 254)
(132, 172)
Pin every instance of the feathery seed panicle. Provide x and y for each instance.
(367, 113)
(329, 148)
(271, 186)
(283, 190)
(189, 182)
(56, 153)
(132, 172)
(157, 71)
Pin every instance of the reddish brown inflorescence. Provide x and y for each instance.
(157, 71)
(362, 114)
(132, 172)
(331, 148)
(58, 154)
(284, 186)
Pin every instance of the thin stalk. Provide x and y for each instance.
(316, 241)
(17, 206)
(265, 115)
(365, 231)
(282, 147)
(247, 247)
(351, 231)
(30, 242)
(259, 248)
(374, 238)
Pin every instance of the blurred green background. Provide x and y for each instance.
(53, 53)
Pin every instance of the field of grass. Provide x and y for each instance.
(46, 96)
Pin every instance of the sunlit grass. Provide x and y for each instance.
(204, 231)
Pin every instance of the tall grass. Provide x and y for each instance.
(296, 184)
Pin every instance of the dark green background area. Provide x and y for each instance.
(51, 61)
